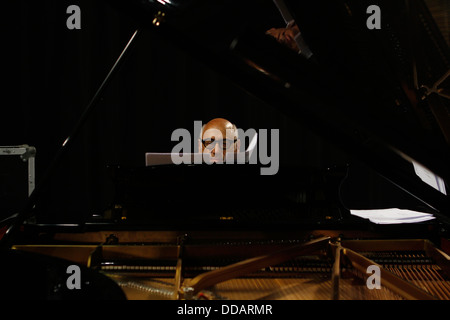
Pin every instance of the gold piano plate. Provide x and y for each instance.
(323, 268)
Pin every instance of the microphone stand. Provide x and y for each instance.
(25, 212)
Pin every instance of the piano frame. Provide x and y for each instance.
(133, 259)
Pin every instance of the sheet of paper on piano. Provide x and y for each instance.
(156, 159)
(392, 215)
(429, 177)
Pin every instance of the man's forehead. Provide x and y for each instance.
(219, 132)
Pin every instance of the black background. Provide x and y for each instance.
(51, 73)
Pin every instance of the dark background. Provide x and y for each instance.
(51, 73)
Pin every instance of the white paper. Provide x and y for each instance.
(393, 215)
(429, 177)
(155, 158)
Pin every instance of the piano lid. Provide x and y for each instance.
(380, 94)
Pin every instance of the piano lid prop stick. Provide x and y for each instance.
(26, 210)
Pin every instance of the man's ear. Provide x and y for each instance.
(200, 146)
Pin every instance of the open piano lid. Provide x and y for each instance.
(379, 94)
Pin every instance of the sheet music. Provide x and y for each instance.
(157, 158)
(393, 215)
(429, 177)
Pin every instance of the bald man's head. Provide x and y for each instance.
(218, 137)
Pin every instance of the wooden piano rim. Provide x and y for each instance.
(167, 251)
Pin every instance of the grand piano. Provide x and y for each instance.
(381, 94)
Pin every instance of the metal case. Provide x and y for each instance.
(17, 177)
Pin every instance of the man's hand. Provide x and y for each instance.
(285, 36)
